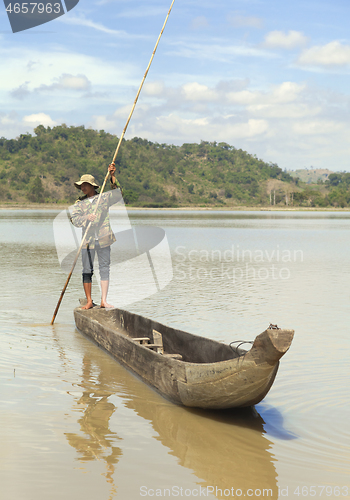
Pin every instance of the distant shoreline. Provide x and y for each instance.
(52, 206)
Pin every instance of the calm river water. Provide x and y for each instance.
(76, 425)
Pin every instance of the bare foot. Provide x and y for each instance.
(88, 305)
(107, 306)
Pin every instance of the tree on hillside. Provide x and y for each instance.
(36, 191)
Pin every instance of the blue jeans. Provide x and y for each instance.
(104, 260)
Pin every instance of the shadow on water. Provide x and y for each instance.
(273, 423)
(263, 418)
(224, 448)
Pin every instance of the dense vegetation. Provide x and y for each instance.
(42, 168)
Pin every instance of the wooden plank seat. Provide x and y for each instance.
(157, 344)
(145, 342)
(141, 340)
(173, 356)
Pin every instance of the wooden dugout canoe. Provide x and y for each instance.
(192, 371)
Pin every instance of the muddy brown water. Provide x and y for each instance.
(75, 424)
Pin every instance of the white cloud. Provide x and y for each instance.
(280, 101)
(8, 119)
(146, 11)
(31, 65)
(317, 127)
(218, 112)
(223, 52)
(68, 82)
(115, 121)
(124, 111)
(291, 111)
(39, 119)
(332, 54)
(21, 92)
(197, 92)
(239, 21)
(290, 40)
(199, 23)
(287, 92)
(283, 93)
(291, 123)
(12, 124)
(82, 21)
(153, 89)
(250, 129)
(78, 82)
(103, 123)
(55, 68)
(243, 97)
(229, 129)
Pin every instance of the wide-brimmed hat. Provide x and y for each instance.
(90, 179)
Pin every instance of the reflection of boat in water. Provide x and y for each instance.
(224, 449)
(188, 369)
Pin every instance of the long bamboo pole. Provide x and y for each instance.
(113, 160)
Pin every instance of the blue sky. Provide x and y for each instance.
(266, 76)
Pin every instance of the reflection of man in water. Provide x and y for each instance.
(96, 440)
(100, 235)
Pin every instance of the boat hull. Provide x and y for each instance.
(209, 375)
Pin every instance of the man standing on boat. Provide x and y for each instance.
(100, 236)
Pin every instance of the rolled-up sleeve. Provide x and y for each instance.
(79, 215)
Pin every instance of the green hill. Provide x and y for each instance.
(312, 175)
(42, 169)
